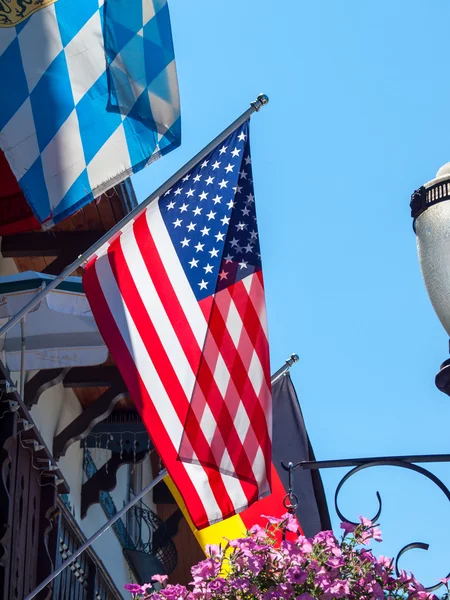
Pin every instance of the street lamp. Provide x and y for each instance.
(430, 209)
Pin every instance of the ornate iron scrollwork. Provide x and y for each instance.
(360, 464)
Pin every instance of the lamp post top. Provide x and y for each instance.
(444, 171)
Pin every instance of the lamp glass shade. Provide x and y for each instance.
(433, 246)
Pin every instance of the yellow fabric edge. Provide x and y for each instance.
(231, 528)
(28, 13)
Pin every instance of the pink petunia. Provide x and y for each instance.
(160, 578)
(348, 527)
(134, 588)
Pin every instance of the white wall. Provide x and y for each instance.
(57, 407)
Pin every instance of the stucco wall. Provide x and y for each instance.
(58, 407)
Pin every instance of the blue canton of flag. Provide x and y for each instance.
(90, 96)
(211, 218)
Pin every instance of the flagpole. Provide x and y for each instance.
(96, 535)
(261, 100)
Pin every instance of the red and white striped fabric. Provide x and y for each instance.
(178, 296)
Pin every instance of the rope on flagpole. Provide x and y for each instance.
(255, 106)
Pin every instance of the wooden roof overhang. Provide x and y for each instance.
(51, 251)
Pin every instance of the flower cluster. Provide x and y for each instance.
(263, 566)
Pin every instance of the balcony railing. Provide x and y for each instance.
(86, 578)
(149, 536)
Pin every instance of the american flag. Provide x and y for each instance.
(178, 296)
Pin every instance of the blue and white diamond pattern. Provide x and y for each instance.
(92, 98)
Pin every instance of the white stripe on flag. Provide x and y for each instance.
(259, 466)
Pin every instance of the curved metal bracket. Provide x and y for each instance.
(416, 546)
(360, 464)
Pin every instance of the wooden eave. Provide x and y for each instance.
(52, 250)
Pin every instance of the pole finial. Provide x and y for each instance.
(261, 100)
(293, 359)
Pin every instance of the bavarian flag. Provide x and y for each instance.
(290, 443)
(89, 97)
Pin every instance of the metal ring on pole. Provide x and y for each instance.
(292, 505)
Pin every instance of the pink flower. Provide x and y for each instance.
(403, 577)
(365, 522)
(213, 550)
(174, 592)
(335, 562)
(377, 534)
(134, 588)
(257, 531)
(218, 585)
(304, 544)
(386, 562)
(205, 569)
(160, 579)
(255, 564)
(272, 520)
(263, 567)
(296, 575)
(348, 527)
(291, 523)
(376, 589)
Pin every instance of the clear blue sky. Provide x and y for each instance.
(358, 118)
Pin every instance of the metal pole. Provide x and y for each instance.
(285, 368)
(22, 359)
(254, 107)
(355, 462)
(96, 535)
